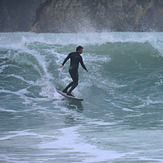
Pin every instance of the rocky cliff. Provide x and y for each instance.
(17, 15)
(85, 15)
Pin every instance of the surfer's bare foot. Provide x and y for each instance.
(69, 94)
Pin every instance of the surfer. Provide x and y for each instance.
(75, 59)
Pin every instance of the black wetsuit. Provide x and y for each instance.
(75, 59)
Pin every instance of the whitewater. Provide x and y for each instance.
(121, 117)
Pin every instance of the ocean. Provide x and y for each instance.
(121, 117)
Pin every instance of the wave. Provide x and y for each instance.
(117, 61)
(122, 96)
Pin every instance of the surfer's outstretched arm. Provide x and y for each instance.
(67, 58)
(83, 65)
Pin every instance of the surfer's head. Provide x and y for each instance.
(79, 49)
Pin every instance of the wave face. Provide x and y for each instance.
(120, 118)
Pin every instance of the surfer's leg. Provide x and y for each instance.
(75, 77)
(67, 87)
(70, 84)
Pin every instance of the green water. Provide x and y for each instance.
(121, 117)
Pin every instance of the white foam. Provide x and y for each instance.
(14, 134)
(127, 109)
(3, 67)
(47, 87)
(21, 78)
(22, 94)
(148, 101)
(71, 141)
(7, 110)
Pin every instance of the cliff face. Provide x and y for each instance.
(89, 15)
(100, 15)
(17, 15)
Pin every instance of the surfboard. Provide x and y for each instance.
(70, 97)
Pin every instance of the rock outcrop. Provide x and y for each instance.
(17, 15)
(91, 15)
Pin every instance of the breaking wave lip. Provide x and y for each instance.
(84, 39)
